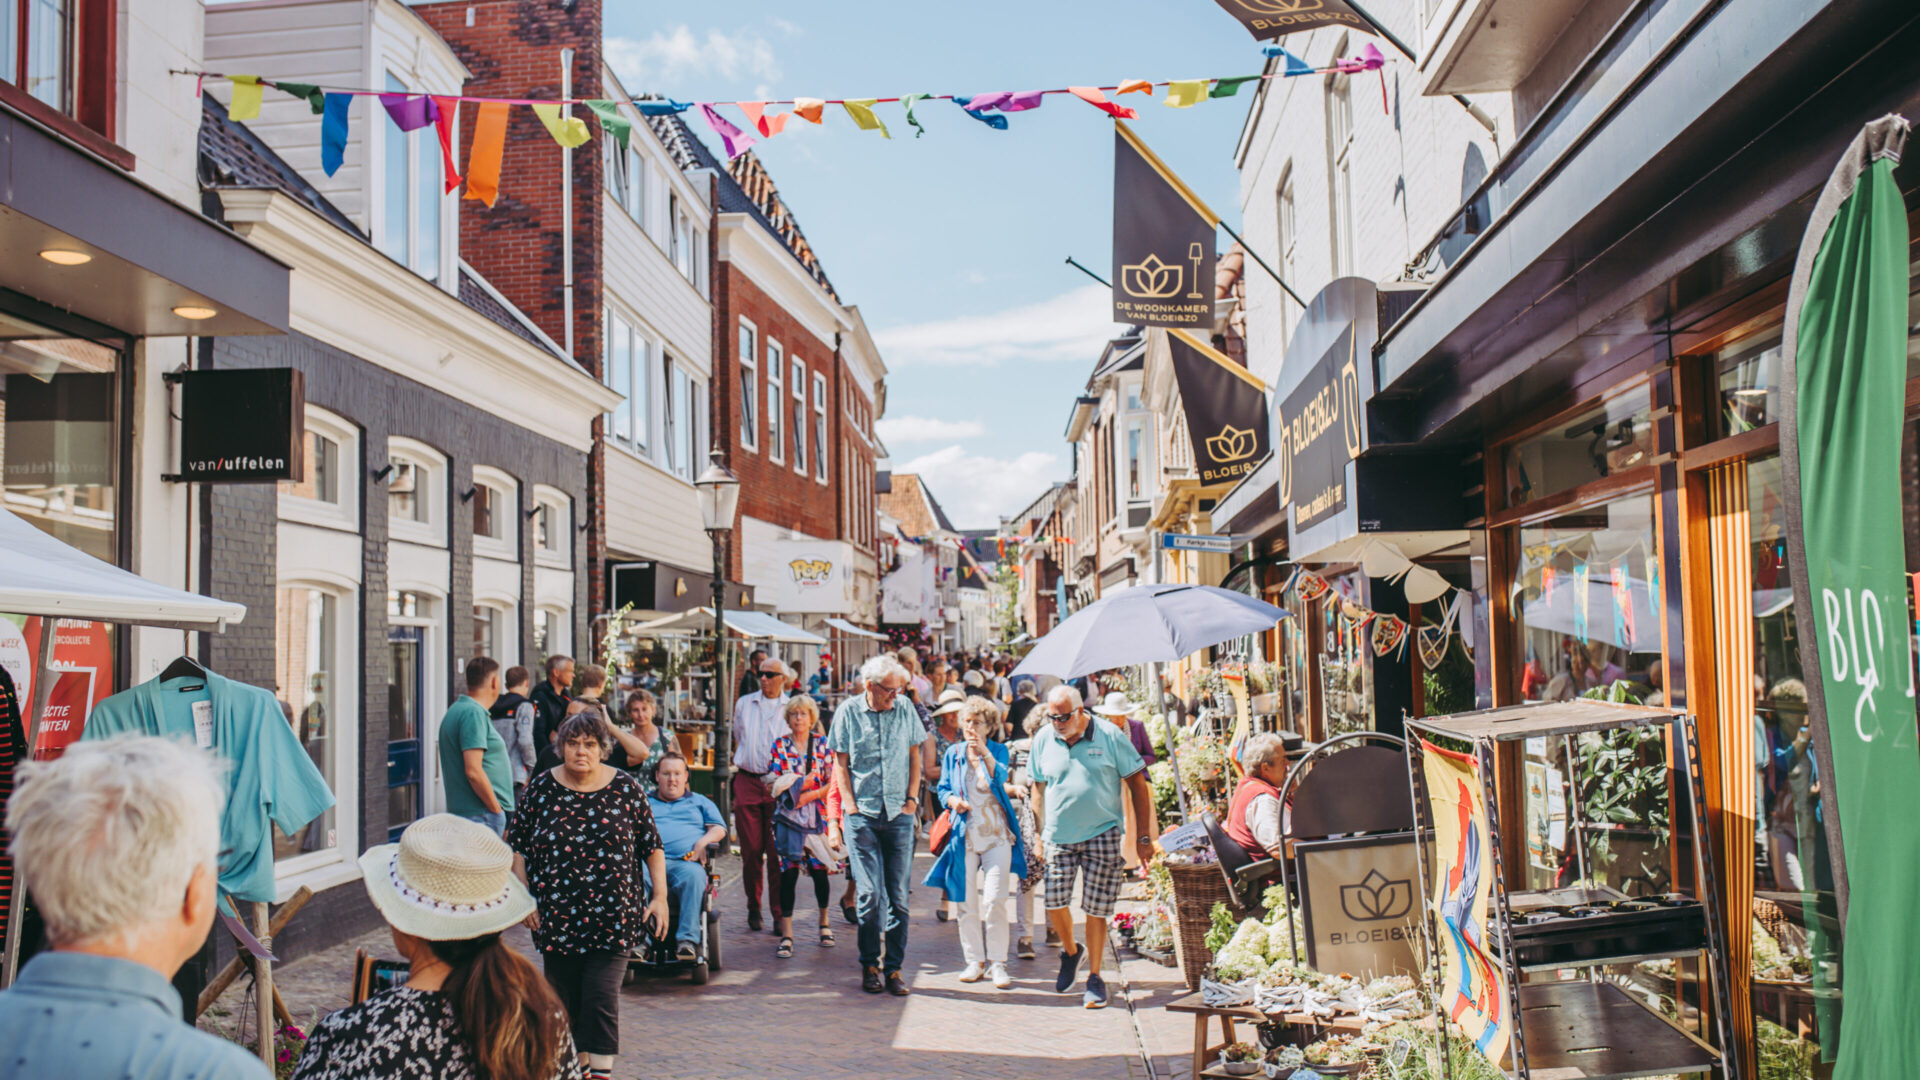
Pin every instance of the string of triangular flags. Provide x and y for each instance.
(411, 111)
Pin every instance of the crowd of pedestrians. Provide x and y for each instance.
(582, 830)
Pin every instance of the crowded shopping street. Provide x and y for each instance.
(1166, 540)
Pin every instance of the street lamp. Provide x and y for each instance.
(719, 493)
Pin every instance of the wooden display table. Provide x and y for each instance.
(1204, 1053)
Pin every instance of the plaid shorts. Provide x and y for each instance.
(1102, 868)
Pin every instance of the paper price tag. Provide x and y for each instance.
(203, 724)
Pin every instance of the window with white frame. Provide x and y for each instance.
(639, 176)
(1289, 235)
(679, 238)
(615, 161)
(552, 633)
(629, 371)
(799, 384)
(330, 494)
(495, 505)
(1340, 166)
(820, 426)
(673, 415)
(411, 195)
(314, 632)
(552, 527)
(416, 492)
(683, 430)
(776, 402)
(749, 386)
(489, 631)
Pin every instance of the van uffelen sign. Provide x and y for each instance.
(1226, 407)
(1317, 429)
(244, 426)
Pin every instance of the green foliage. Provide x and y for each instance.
(1623, 781)
(1166, 800)
(1223, 928)
(1783, 1055)
(1447, 688)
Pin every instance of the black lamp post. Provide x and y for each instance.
(719, 493)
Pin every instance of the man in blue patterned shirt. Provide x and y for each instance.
(876, 742)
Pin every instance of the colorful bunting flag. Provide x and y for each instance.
(809, 109)
(410, 112)
(246, 97)
(333, 131)
(664, 107)
(862, 113)
(1134, 86)
(446, 111)
(910, 101)
(568, 131)
(993, 120)
(983, 102)
(1294, 66)
(1093, 96)
(617, 127)
(315, 97)
(757, 115)
(735, 140)
(1186, 93)
(489, 144)
(1229, 87)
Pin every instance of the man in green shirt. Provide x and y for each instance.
(473, 756)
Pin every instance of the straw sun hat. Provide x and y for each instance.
(448, 879)
(1115, 704)
(950, 702)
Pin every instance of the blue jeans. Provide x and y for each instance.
(496, 822)
(686, 881)
(882, 859)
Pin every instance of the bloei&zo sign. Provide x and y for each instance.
(1318, 432)
(242, 426)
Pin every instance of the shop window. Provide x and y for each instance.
(59, 445)
(1749, 381)
(1610, 438)
(551, 634)
(407, 604)
(1585, 601)
(307, 658)
(487, 622)
(1346, 659)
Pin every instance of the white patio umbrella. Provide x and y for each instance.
(1147, 624)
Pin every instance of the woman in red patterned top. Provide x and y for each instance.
(804, 754)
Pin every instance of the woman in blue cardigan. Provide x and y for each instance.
(984, 857)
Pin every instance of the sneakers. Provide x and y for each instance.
(896, 985)
(1052, 938)
(974, 972)
(870, 980)
(1025, 948)
(1001, 980)
(1069, 967)
(940, 913)
(1096, 995)
(687, 951)
(753, 920)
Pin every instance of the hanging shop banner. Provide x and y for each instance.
(1846, 358)
(1318, 430)
(1162, 241)
(242, 426)
(1226, 408)
(815, 577)
(1473, 990)
(1277, 18)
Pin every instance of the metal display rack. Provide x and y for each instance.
(1588, 1029)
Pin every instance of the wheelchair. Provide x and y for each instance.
(659, 956)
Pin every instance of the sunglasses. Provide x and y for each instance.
(771, 675)
(1061, 718)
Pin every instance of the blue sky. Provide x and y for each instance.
(953, 244)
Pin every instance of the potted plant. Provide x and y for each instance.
(1282, 1062)
(1240, 1059)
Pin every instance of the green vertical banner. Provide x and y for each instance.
(1846, 359)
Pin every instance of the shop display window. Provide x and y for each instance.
(1346, 660)
(59, 445)
(1749, 381)
(1610, 438)
(1585, 600)
(306, 670)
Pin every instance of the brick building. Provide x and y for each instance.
(798, 384)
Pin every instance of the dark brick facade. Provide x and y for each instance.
(240, 525)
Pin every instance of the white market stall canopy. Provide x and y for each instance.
(43, 576)
(846, 627)
(747, 624)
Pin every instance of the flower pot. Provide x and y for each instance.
(1240, 1068)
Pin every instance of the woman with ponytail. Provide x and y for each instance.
(472, 1008)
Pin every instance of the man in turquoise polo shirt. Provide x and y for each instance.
(1079, 770)
(473, 756)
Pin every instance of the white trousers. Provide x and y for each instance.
(983, 912)
(1021, 897)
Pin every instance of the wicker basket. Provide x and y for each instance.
(1196, 889)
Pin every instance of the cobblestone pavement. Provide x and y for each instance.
(807, 1015)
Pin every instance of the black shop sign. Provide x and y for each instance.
(1317, 432)
(241, 427)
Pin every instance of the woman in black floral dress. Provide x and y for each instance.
(582, 832)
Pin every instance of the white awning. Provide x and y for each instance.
(747, 624)
(41, 575)
(846, 627)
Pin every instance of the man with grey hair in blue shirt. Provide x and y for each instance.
(119, 843)
(875, 739)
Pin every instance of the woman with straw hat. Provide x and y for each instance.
(585, 835)
(471, 1008)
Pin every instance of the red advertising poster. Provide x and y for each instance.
(83, 673)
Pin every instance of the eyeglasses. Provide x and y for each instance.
(770, 674)
(883, 691)
(1061, 718)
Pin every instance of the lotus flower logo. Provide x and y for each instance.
(1150, 278)
(810, 571)
(1280, 7)
(1231, 444)
(1376, 899)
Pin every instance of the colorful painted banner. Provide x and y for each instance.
(1473, 989)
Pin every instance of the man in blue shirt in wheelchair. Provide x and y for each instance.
(687, 822)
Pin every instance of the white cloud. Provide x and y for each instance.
(1069, 328)
(918, 429)
(671, 57)
(975, 490)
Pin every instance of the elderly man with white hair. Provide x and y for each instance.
(876, 742)
(119, 843)
(1079, 772)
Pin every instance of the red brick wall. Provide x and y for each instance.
(769, 490)
(513, 49)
